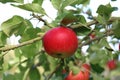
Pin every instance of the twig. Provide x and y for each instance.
(94, 39)
(7, 48)
(95, 22)
(40, 19)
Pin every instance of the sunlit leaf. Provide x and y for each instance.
(11, 25)
(33, 7)
(30, 33)
(6, 1)
(38, 1)
(116, 29)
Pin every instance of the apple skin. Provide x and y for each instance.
(82, 75)
(60, 42)
(92, 36)
(111, 64)
(86, 66)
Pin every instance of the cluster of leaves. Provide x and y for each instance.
(29, 62)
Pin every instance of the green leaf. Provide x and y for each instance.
(16, 76)
(1, 62)
(67, 3)
(11, 25)
(78, 2)
(56, 4)
(34, 74)
(97, 68)
(116, 29)
(26, 24)
(3, 38)
(68, 17)
(38, 1)
(33, 7)
(30, 33)
(31, 50)
(82, 30)
(61, 4)
(105, 11)
(6, 1)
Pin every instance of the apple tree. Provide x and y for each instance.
(76, 45)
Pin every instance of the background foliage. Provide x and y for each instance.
(28, 61)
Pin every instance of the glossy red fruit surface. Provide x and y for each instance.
(82, 75)
(60, 42)
(111, 64)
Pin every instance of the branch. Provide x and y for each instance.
(97, 38)
(7, 48)
(40, 19)
(95, 22)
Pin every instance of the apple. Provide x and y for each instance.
(111, 64)
(92, 36)
(119, 46)
(82, 75)
(60, 42)
(86, 66)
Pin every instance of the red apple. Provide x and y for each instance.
(86, 67)
(111, 64)
(92, 36)
(82, 75)
(60, 42)
(119, 46)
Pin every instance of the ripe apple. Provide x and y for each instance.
(60, 42)
(86, 67)
(119, 46)
(111, 64)
(92, 36)
(82, 75)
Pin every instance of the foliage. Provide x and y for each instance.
(28, 60)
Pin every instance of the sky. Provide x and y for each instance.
(7, 11)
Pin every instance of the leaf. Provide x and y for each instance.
(30, 50)
(116, 28)
(16, 76)
(97, 68)
(30, 33)
(68, 18)
(61, 4)
(6, 1)
(3, 38)
(34, 74)
(33, 7)
(56, 4)
(105, 11)
(78, 2)
(67, 3)
(38, 1)
(82, 30)
(11, 25)
(1, 62)
(26, 24)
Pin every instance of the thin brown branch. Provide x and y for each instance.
(95, 22)
(95, 39)
(40, 19)
(7, 48)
